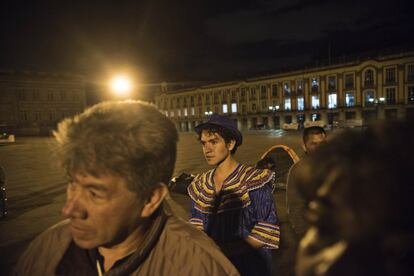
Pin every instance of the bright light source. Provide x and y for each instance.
(382, 99)
(121, 85)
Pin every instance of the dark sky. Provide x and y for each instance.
(189, 41)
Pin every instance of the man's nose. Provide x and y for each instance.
(73, 206)
(207, 148)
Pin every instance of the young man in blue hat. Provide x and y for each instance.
(233, 203)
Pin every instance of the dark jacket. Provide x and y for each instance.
(295, 201)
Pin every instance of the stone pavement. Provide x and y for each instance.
(36, 189)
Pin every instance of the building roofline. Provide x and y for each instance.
(352, 62)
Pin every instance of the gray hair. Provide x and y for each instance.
(131, 139)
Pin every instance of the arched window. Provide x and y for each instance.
(369, 78)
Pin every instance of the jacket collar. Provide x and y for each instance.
(144, 249)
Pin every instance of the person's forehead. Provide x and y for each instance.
(316, 137)
(104, 181)
(209, 135)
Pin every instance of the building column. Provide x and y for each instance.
(294, 118)
(324, 117)
(270, 122)
(282, 120)
(184, 126)
(190, 126)
(177, 126)
(307, 117)
(249, 123)
(358, 114)
(341, 115)
(239, 123)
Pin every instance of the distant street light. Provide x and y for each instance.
(121, 86)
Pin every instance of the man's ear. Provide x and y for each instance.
(231, 145)
(155, 200)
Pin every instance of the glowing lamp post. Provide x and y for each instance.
(121, 86)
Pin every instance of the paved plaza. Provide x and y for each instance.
(36, 188)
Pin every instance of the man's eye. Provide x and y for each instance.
(95, 194)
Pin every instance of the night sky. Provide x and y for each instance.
(191, 41)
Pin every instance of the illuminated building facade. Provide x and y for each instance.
(363, 90)
(32, 103)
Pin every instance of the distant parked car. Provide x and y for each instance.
(291, 126)
(318, 123)
(348, 123)
(7, 138)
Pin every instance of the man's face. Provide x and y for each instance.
(102, 211)
(215, 148)
(313, 142)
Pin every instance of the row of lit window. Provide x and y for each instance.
(369, 99)
(368, 81)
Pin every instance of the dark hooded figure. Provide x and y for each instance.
(360, 196)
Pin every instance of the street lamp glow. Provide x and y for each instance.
(121, 85)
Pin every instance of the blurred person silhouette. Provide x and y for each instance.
(119, 157)
(361, 201)
(233, 203)
(312, 138)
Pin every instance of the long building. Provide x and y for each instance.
(31, 103)
(361, 90)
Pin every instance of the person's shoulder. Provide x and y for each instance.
(58, 231)
(198, 184)
(203, 175)
(55, 234)
(181, 242)
(255, 178)
(297, 166)
(178, 229)
(46, 248)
